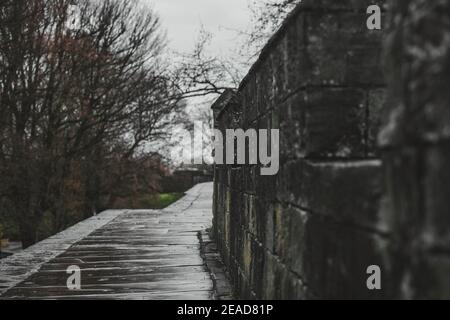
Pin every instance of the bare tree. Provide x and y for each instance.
(78, 78)
(203, 74)
(200, 74)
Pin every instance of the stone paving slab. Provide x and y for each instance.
(124, 254)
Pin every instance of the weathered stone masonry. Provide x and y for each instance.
(312, 230)
(416, 148)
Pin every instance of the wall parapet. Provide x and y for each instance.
(335, 208)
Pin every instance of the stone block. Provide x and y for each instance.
(326, 49)
(257, 270)
(296, 242)
(269, 276)
(333, 120)
(437, 195)
(325, 122)
(347, 191)
(337, 257)
(279, 58)
(282, 228)
(342, 51)
(376, 107)
(298, 64)
(265, 86)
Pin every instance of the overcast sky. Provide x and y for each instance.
(182, 20)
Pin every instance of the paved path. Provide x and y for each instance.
(125, 254)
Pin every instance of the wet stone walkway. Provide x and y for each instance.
(122, 254)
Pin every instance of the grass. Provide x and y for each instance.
(160, 201)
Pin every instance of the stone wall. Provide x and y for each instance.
(348, 195)
(416, 148)
(312, 230)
